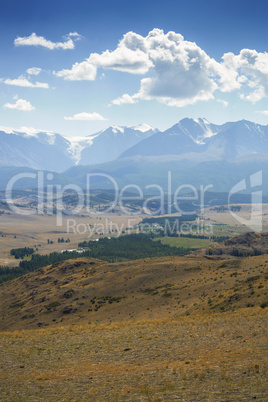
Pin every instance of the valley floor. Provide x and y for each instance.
(201, 357)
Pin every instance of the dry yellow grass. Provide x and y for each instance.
(171, 328)
(219, 357)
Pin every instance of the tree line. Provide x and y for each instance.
(20, 253)
(131, 247)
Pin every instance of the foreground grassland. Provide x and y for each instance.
(219, 357)
(191, 328)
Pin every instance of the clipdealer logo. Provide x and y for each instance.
(255, 182)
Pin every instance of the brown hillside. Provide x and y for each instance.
(255, 240)
(246, 244)
(86, 291)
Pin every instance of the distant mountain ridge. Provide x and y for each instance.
(109, 144)
(40, 151)
(194, 150)
(51, 151)
(191, 137)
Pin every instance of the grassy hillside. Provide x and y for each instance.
(89, 290)
(189, 328)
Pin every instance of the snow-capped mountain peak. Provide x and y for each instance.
(143, 128)
(116, 129)
(27, 131)
(108, 144)
(198, 129)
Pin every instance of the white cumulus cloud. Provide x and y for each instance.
(20, 104)
(34, 71)
(24, 82)
(182, 70)
(85, 116)
(122, 59)
(74, 35)
(124, 99)
(80, 72)
(35, 40)
(178, 72)
(248, 71)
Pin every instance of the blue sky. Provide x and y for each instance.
(75, 77)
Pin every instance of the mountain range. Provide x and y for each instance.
(194, 150)
(190, 139)
(200, 140)
(51, 151)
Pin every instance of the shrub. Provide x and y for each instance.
(264, 304)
